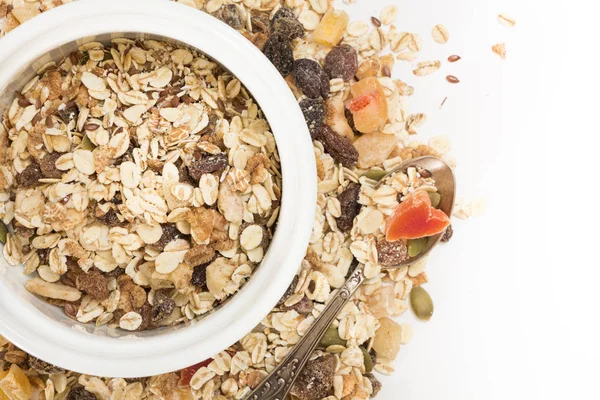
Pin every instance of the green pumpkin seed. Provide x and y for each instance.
(416, 246)
(368, 359)
(331, 338)
(3, 232)
(87, 144)
(376, 174)
(435, 198)
(421, 303)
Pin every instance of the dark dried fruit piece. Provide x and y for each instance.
(288, 28)
(310, 77)
(349, 207)
(109, 218)
(207, 164)
(48, 166)
(315, 381)
(375, 384)
(391, 253)
(162, 310)
(230, 14)
(279, 51)
(43, 367)
(43, 254)
(283, 12)
(79, 393)
(260, 23)
(289, 291)
(314, 113)
(69, 113)
(199, 276)
(170, 233)
(339, 147)
(447, 234)
(30, 176)
(341, 62)
(94, 284)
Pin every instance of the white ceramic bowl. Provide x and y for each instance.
(44, 330)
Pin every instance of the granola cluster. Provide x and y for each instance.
(141, 181)
(321, 54)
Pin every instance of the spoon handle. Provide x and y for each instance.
(279, 382)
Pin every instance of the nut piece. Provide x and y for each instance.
(52, 290)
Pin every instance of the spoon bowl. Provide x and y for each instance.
(446, 185)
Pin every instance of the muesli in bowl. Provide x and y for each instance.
(140, 181)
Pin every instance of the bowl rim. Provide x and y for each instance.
(26, 327)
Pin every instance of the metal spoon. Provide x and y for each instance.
(279, 382)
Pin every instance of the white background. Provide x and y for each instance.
(516, 296)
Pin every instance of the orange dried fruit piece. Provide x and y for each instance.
(186, 374)
(15, 385)
(415, 218)
(330, 30)
(368, 105)
(374, 148)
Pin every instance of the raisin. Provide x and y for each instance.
(349, 207)
(170, 233)
(448, 234)
(373, 355)
(43, 367)
(314, 113)
(391, 253)
(230, 14)
(184, 175)
(288, 28)
(279, 52)
(339, 147)
(48, 166)
(43, 255)
(199, 276)
(375, 384)
(289, 291)
(341, 62)
(304, 306)
(162, 310)
(207, 165)
(69, 113)
(260, 23)
(30, 176)
(94, 284)
(79, 393)
(146, 313)
(283, 12)
(315, 381)
(110, 218)
(310, 77)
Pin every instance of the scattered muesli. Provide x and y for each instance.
(506, 21)
(440, 34)
(359, 119)
(500, 50)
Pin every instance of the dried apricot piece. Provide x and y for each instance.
(415, 218)
(15, 385)
(368, 105)
(330, 30)
(374, 148)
